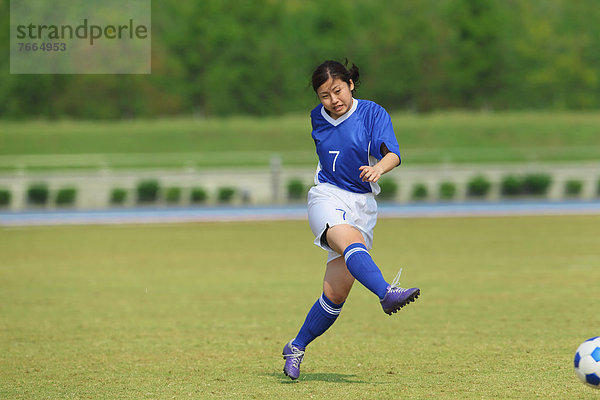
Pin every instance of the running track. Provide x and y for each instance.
(296, 212)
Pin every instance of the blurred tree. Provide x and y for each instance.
(476, 63)
(403, 55)
(225, 57)
(558, 53)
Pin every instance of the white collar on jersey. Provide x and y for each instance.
(336, 122)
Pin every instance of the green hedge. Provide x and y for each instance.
(512, 186)
(447, 190)
(38, 194)
(478, 186)
(420, 191)
(225, 194)
(295, 189)
(173, 195)
(5, 197)
(118, 196)
(536, 184)
(573, 187)
(389, 188)
(198, 195)
(66, 197)
(147, 191)
(528, 185)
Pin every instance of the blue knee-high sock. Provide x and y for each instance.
(363, 269)
(320, 317)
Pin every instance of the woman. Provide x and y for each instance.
(356, 145)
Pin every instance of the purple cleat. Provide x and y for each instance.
(396, 297)
(293, 357)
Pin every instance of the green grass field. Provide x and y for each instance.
(245, 141)
(203, 310)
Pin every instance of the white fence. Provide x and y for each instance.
(268, 185)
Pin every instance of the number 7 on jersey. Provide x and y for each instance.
(337, 153)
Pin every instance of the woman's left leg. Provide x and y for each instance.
(348, 240)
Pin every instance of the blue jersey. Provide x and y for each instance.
(351, 141)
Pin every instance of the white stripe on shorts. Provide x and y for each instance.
(354, 250)
(328, 308)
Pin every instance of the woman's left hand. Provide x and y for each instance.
(370, 174)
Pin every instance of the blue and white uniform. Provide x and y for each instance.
(343, 146)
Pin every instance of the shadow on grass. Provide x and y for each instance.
(319, 376)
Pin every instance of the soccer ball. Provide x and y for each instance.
(587, 362)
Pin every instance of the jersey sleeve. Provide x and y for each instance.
(383, 133)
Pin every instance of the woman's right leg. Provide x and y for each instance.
(338, 281)
(336, 286)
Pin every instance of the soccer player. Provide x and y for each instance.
(356, 145)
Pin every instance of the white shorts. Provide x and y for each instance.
(329, 206)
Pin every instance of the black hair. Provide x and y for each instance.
(335, 69)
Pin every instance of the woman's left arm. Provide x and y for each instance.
(386, 164)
